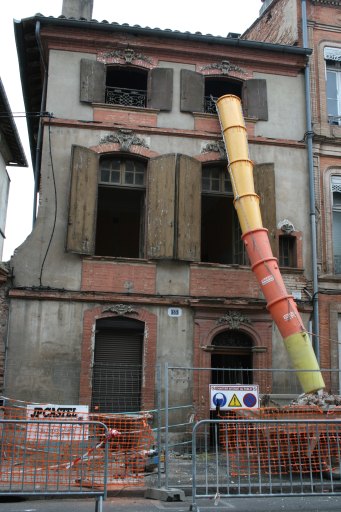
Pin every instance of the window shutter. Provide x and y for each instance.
(189, 209)
(160, 207)
(92, 81)
(192, 91)
(160, 88)
(255, 102)
(83, 201)
(264, 178)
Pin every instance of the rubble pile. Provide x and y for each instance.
(320, 399)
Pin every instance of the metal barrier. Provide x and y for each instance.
(264, 457)
(54, 458)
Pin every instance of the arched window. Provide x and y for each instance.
(117, 368)
(231, 358)
(121, 207)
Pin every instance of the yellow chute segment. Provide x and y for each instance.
(303, 357)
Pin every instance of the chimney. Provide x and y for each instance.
(78, 9)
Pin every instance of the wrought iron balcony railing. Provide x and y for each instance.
(126, 97)
(209, 105)
(336, 120)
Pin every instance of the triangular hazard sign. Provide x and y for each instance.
(234, 402)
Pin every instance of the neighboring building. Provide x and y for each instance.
(136, 257)
(11, 154)
(281, 22)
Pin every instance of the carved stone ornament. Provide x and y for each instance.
(128, 55)
(286, 226)
(120, 309)
(225, 67)
(233, 319)
(217, 147)
(125, 138)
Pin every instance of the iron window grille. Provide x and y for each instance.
(126, 97)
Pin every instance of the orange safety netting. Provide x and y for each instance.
(280, 447)
(59, 449)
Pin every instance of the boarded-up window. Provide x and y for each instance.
(173, 221)
(264, 178)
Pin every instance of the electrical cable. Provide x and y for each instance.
(55, 202)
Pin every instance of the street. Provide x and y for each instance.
(140, 504)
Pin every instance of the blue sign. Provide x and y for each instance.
(219, 399)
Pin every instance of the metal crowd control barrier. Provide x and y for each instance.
(54, 458)
(262, 457)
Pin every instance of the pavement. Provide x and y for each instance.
(128, 503)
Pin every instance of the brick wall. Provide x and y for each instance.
(4, 285)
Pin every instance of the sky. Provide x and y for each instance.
(220, 18)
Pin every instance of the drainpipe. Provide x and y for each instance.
(309, 138)
(37, 162)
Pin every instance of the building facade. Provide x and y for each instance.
(136, 258)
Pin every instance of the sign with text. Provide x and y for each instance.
(233, 396)
(57, 413)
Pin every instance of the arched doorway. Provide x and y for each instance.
(117, 367)
(231, 358)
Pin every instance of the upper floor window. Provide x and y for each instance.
(334, 92)
(126, 85)
(333, 85)
(199, 93)
(216, 87)
(336, 222)
(287, 251)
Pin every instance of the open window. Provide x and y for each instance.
(120, 207)
(220, 231)
(125, 85)
(333, 84)
(107, 204)
(218, 86)
(199, 93)
(287, 248)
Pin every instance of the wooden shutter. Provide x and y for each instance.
(255, 102)
(160, 88)
(189, 209)
(83, 201)
(92, 81)
(192, 91)
(264, 178)
(160, 207)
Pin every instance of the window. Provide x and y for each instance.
(220, 232)
(287, 251)
(128, 86)
(120, 208)
(336, 222)
(334, 92)
(110, 213)
(216, 87)
(198, 93)
(117, 369)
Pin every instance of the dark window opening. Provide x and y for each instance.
(220, 231)
(216, 87)
(117, 368)
(126, 86)
(287, 251)
(120, 208)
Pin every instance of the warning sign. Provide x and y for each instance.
(233, 396)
